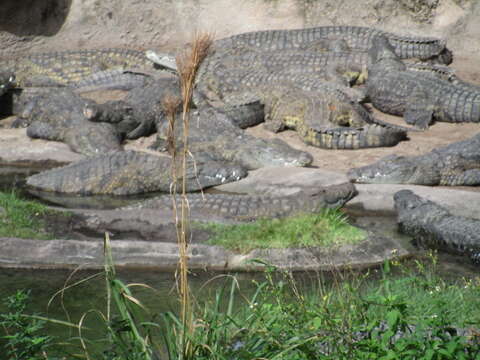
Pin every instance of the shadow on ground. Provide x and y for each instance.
(33, 17)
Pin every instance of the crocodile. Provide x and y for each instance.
(80, 68)
(454, 164)
(327, 118)
(137, 114)
(355, 37)
(344, 67)
(229, 208)
(420, 96)
(322, 112)
(131, 172)
(212, 134)
(433, 226)
(56, 114)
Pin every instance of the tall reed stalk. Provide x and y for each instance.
(187, 64)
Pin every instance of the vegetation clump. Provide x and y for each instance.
(329, 228)
(404, 313)
(21, 218)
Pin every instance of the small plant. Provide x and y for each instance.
(20, 218)
(127, 335)
(23, 332)
(327, 229)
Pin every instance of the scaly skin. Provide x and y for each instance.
(213, 135)
(342, 66)
(455, 164)
(420, 96)
(356, 37)
(66, 68)
(138, 113)
(433, 226)
(299, 100)
(57, 114)
(239, 208)
(326, 119)
(131, 172)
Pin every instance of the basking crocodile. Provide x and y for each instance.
(323, 113)
(131, 172)
(420, 96)
(137, 114)
(454, 164)
(327, 118)
(344, 67)
(78, 68)
(433, 226)
(212, 134)
(242, 208)
(57, 114)
(356, 37)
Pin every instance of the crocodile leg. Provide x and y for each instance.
(419, 109)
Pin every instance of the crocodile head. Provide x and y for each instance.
(257, 153)
(392, 169)
(205, 173)
(332, 196)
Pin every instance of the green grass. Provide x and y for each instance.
(327, 229)
(22, 219)
(358, 315)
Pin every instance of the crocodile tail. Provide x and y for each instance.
(424, 48)
(368, 136)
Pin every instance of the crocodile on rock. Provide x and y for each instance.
(131, 172)
(212, 134)
(454, 164)
(355, 37)
(322, 112)
(147, 218)
(139, 112)
(57, 114)
(420, 96)
(433, 226)
(326, 118)
(83, 70)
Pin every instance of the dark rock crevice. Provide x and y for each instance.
(33, 17)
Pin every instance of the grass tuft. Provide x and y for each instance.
(22, 219)
(326, 229)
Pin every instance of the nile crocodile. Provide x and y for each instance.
(57, 114)
(131, 172)
(355, 37)
(431, 225)
(326, 118)
(454, 164)
(137, 114)
(79, 68)
(227, 208)
(212, 134)
(297, 96)
(420, 96)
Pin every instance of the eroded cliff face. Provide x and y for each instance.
(32, 25)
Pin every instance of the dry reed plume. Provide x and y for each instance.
(187, 65)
